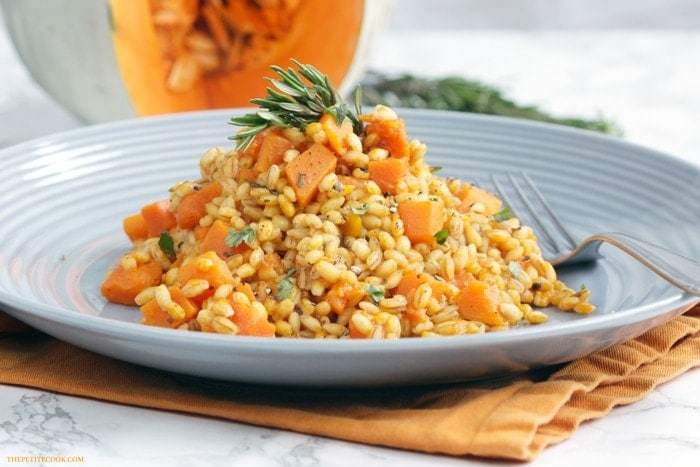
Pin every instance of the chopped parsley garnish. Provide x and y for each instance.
(166, 244)
(441, 236)
(361, 209)
(514, 269)
(285, 285)
(435, 168)
(504, 214)
(375, 292)
(235, 238)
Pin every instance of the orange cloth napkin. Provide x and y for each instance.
(512, 418)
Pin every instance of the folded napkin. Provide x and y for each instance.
(511, 418)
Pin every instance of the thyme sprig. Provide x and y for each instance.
(298, 98)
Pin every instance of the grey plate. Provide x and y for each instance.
(64, 196)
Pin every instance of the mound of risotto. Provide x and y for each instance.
(324, 222)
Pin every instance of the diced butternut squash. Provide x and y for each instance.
(479, 301)
(271, 152)
(251, 320)
(122, 285)
(271, 267)
(343, 295)
(391, 135)
(422, 219)
(200, 232)
(337, 133)
(246, 290)
(387, 173)
(154, 315)
(158, 217)
(305, 172)
(246, 174)
(215, 240)
(416, 315)
(411, 280)
(461, 278)
(135, 227)
(441, 289)
(207, 266)
(194, 206)
(471, 194)
(253, 148)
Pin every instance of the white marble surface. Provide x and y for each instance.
(663, 426)
(645, 80)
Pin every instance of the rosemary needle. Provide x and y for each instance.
(297, 98)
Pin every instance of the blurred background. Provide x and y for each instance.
(545, 14)
(634, 63)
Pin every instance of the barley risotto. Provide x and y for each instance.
(325, 222)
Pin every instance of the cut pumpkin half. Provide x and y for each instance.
(179, 55)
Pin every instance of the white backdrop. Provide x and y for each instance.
(544, 14)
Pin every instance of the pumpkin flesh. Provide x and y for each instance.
(201, 54)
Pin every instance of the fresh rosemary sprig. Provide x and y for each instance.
(298, 98)
(465, 95)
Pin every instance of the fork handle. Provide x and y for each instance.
(679, 270)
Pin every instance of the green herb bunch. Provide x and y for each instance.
(463, 95)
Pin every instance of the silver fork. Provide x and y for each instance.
(560, 247)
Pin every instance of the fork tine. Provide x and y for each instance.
(537, 209)
(552, 215)
(676, 269)
(532, 217)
